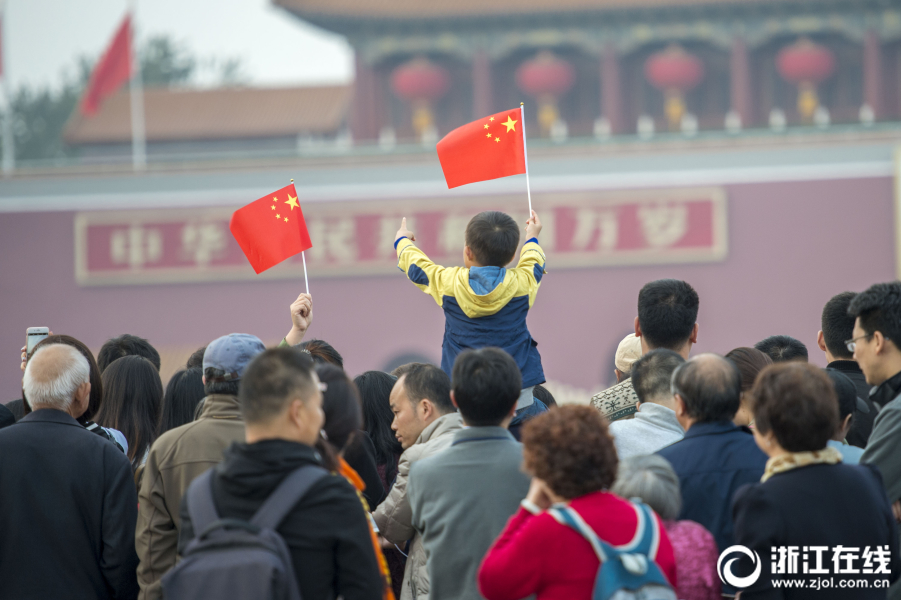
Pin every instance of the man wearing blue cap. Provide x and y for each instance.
(183, 453)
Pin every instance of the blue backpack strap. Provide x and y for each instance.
(647, 538)
(201, 507)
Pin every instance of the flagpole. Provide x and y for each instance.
(9, 149)
(525, 155)
(303, 256)
(136, 94)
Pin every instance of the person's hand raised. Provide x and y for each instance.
(533, 226)
(301, 319)
(404, 232)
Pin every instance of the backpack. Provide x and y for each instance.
(233, 558)
(627, 572)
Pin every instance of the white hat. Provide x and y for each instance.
(628, 351)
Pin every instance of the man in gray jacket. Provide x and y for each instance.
(424, 422)
(462, 497)
(876, 344)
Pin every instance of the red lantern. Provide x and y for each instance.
(806, 64)
(420, 79)
(545, 75)
(674, 69)
(421, 82)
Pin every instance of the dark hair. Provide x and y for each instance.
(375, 391)
(750, 362)
(845, 392)
(542, 393)
(215, 385)
(132, 394)
(879, 309)
(783, 348)
(406, 367)
(837, 325)
(126, 345)
(667, 313)
(341, 405)
(322, 353)
(486, 383)
(570, 449)
(196, 359)
(422, 380)
(651, 374)
(493, 238)
(183, 392)
(96, 397)
(710, 387)
(796, 401)
(274, 378)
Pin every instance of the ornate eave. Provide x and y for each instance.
(625, 29)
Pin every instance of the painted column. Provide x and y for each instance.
(611, 90)
(363, 121)
(482, 97)
(872, 72)
(741, 82)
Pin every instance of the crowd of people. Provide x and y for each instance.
(270, 472)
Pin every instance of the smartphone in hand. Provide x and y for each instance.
(33, 335)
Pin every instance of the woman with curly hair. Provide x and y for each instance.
(572, 460)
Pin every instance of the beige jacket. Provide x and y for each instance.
(394, 516)
(175, 459)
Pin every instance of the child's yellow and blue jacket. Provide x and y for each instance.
(483, 306)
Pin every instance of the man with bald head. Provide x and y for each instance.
(68, 511)
(716, 457)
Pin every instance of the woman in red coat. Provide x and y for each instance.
(572, 460)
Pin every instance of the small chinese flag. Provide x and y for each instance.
(112, 70)
(489, 148)
(271, 229)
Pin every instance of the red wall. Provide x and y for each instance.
(791, 247)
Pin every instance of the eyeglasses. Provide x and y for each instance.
(323, 386)
(852, 343)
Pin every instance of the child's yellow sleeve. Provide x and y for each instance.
(531, 266)
(434, 280)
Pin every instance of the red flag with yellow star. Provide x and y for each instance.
(271, 229)
(489, 148)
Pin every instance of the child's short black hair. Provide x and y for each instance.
(493, 237)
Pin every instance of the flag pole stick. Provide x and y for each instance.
(525, 155)
(303, 256)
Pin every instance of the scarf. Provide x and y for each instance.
(355, 480)
(794, 460)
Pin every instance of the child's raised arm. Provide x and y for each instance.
(432, 279)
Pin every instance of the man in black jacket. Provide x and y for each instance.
(327, 531)
(838, 326)
(68, 507)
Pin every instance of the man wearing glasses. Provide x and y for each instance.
(876, 344)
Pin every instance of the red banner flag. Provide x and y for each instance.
(112, 70)
(489, 148)
(271, 229)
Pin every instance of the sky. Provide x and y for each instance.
(43, 38)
